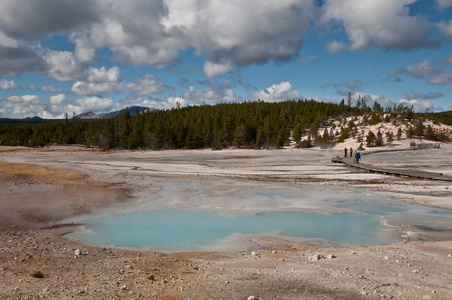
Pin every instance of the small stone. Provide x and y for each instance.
(252, 298)
(331, 256)
(316, 257)
(124, 287)
(78, 252)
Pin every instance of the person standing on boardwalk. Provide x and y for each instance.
(351, 152)
(345, 152)
(357, 157)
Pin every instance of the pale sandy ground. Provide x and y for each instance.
(77, 181)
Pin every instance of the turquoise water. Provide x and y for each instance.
(307, 214)
(187, 230)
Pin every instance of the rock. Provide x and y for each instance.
(124, 287)
(78, 252)
(316, 257)
(252, 298)
(331, 256)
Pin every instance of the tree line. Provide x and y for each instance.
(253, 125)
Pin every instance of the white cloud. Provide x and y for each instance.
(145, 85)
(444, 3)
(416, 95)
(211, 94)
(103, 75)
(21, 106)
(63, 66)
(7, 84)
(50, 89)
(384, 23)
(421, 70)
(86, 104)
(277, 93)
(446, 30)
(216, 69)
(336, 47)
(106, 81)
(441, 79)
(83, 88)
(419, 106)
(84, 52)
(171, 102)
(98, 81)
(57, 99)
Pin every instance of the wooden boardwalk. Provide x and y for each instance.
(396, 172)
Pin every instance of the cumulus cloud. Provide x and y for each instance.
(445, 29)
(145, 85)
(21, 106)
(212, 93)
(62, 66)
(86, 104)
(7, 84)
(168, 103)
(57, 99)
(102, 81)
(277, 93)
(418, 106)
(212, 69)
(384, 23)
(22, 18)
(84, 52)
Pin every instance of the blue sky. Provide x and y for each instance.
(67, 56)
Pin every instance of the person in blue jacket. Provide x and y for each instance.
(357, 157)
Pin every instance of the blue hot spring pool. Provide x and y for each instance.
(182, 230)
(351, 219)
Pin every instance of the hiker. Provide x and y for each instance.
(351, 152)
(345, 152)
(357, 157)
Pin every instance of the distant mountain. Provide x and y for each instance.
(132, 110)
(89, 116)
(36, 118)
(93, 116)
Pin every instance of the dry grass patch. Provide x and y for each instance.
(36, 174)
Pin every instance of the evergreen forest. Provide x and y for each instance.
(253, 125)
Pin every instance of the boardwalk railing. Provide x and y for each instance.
(396, 172)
